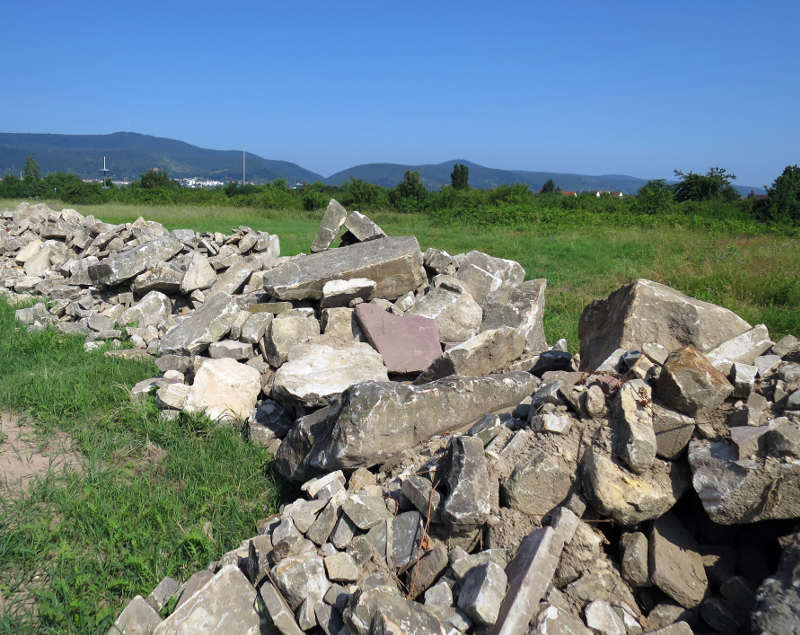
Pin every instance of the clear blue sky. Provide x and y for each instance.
(634, 88)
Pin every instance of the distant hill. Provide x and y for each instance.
(130, 154)
(481, 177)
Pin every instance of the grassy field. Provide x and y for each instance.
(755, 276)
(157, 498)
(150, 497)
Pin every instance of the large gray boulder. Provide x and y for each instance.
(735, 491)
(317, 371)
(210, 323)
(129, 263)
(395, 264)
(646, 311)
(521, 307)
(374, 421)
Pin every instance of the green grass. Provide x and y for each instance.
(755, 276)
(153, 497)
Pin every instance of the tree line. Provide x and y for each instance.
(711, 194)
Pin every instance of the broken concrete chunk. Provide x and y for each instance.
(689, 383)
(315, 372)
(482, 354)
(224, 389)
(337, 293)
(482, 593)
(457, 314)
(362, 227)
(468, 483)
(227, 603)
(138, 618)
(210, 323)
(395, 264)
(332, 221)
(286, 331)
(520, 307)
(129, 263)
(628, 498)
(646, 311)
(676, 566)
(539, 485)
(737, 491)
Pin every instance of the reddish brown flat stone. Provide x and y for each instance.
(407, 343)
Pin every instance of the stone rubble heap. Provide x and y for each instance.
(459, 475)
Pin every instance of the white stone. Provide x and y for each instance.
(225, 389)
(316, 371)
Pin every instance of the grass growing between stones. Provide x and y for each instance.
(753, 275)
(151, 497)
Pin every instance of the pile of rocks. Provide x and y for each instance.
(459, 475)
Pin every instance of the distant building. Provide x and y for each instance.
(599, 193)
(568, 193)
(194, 182)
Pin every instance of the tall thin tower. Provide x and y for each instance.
(243, 157)
(106, 173)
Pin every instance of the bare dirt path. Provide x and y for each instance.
(23, 456)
